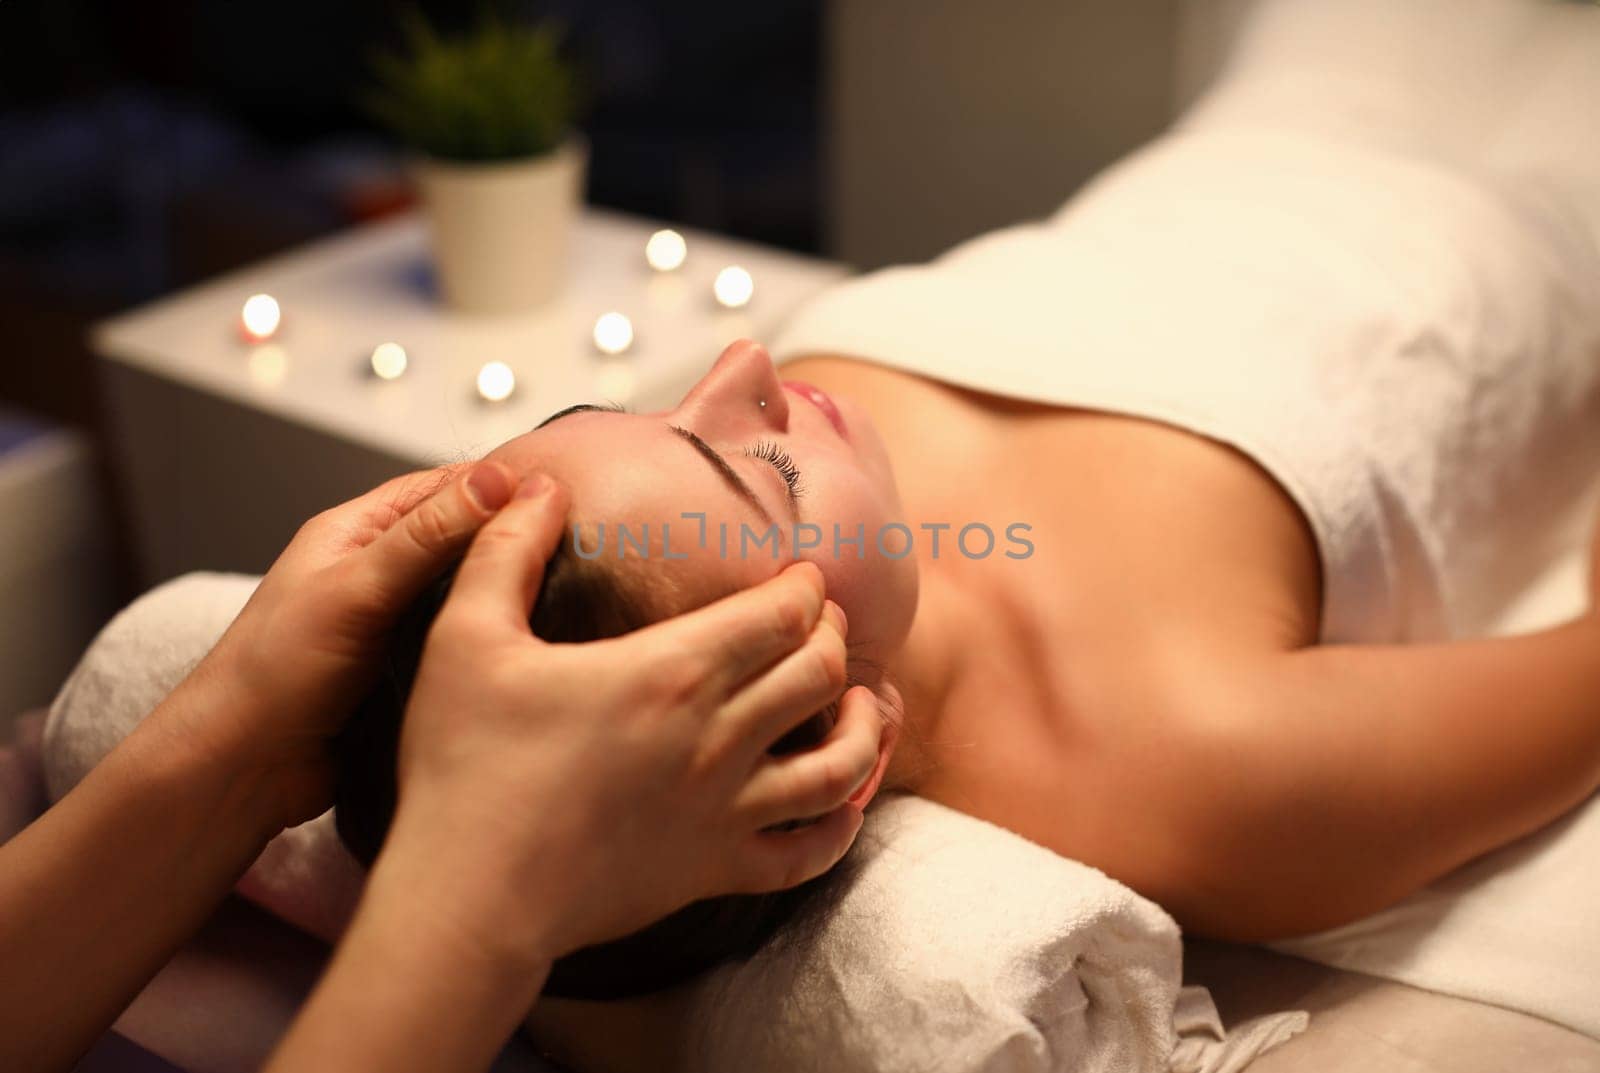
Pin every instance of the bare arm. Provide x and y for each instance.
(99, 891)
(1337, 779)
(97, 894)
(406, 990)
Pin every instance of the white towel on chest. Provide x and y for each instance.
(1370, 264)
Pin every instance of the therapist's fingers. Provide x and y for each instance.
(810, 783)
(498, 580)
(741, 635)
(357, 523)
(801, 684)
(421, 543)
(778, 860)
(397, 496)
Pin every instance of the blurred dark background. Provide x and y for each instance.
(146, 146)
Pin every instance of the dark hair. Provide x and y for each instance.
(580, 601)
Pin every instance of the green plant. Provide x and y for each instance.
(501, 91)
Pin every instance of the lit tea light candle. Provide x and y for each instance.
(613, 333)
(666, 250)
(388, 360)
(260, 317)
(496, 381)
(733, 287)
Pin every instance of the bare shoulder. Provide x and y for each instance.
(1164, 564)
(1202, 542)
(1132, 516)
(1095, 763)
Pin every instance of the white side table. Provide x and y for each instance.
(224, 447)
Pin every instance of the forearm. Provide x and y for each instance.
(98, 893)
(1352, 775)
(406, 989)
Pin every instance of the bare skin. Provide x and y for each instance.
(1144, 693)
(1071, 643)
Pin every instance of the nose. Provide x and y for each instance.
(740, 396)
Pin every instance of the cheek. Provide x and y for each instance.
(859, 579)
(870, 456)
(849, 494)
(878, 594)
(849, 584)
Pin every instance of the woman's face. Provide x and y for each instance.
(802, 460)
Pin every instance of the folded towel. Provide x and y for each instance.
(953, 944)
(959, 945)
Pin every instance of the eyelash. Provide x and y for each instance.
(771, 453)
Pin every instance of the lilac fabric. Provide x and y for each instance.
(16, 430)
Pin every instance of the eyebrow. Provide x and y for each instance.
(728, 474)
(582, 408)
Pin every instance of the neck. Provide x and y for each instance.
(926, 670)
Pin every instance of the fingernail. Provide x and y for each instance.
(534, 486)
(488, 486)
(843, 624)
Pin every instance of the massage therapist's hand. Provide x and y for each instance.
(552, 796)
(98, 892)
(287, 670)
(573, 793)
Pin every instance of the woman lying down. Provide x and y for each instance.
(1163, 529)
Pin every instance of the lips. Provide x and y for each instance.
(819, 398)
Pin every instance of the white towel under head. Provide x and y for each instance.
(962, 946)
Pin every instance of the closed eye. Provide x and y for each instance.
(764, 450)
(779, 459)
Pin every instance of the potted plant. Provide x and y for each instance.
(500, 168)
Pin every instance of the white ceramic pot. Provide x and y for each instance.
(502, 231)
